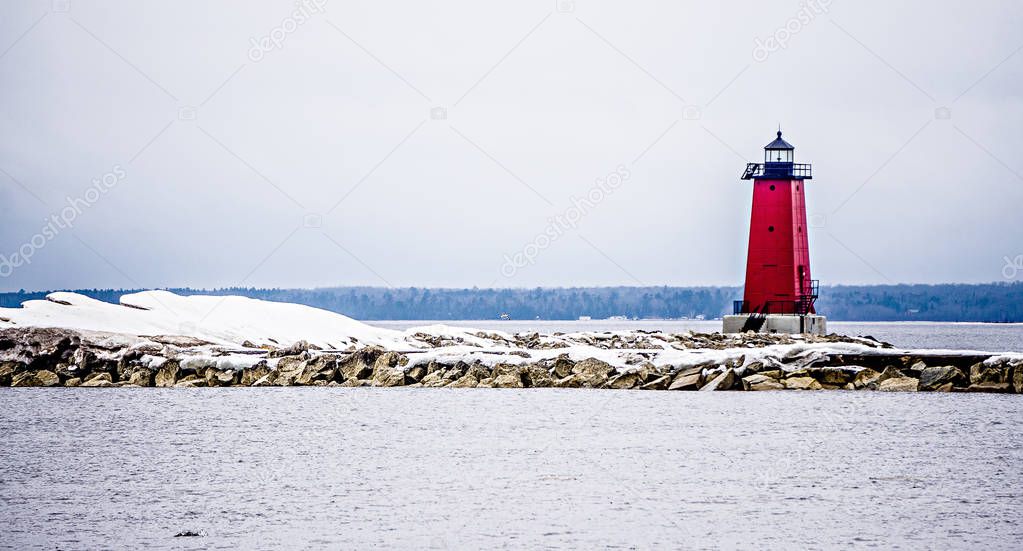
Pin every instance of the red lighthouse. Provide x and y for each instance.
(780, 293)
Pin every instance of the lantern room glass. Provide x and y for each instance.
(778, 155)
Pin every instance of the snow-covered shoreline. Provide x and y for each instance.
(159, 338)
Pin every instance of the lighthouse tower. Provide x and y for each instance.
(780, 293)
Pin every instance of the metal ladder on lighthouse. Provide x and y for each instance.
(755, 321)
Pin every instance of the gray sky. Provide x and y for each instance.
(318, 157)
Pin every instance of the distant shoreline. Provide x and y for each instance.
(1000, 302)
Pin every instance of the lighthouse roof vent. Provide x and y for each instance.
(779, 143)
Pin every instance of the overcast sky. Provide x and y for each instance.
(412, 143)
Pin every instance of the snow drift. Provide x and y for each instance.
(226, 320)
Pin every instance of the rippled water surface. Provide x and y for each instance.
(443, 468)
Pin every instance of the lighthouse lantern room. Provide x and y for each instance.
(780, 293)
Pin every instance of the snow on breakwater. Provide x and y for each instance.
(226, 320)
(159, 338)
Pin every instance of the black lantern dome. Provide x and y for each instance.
(778, 151)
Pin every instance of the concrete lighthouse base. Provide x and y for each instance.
(777, 323)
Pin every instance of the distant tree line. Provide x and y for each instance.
(991, 302)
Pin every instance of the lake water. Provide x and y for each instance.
(992, 337)
(449, 469)
(271, 468)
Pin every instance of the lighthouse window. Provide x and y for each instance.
(770, 228)
(772, 187)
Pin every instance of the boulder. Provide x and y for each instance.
(686, 382)
(567, 382)
(802, 383)
(468, 380)
(504, 380)
(65, 370)
(761, 382)
(389, 370)
(473, 374)
(1016, 378)
(168, 373)
(537, 376)
(798, 373)
(7, 371)
(562, 367)
(46, 377)
(194, 366)
(593, 372)
(290, 363)
(434, 379)
(221, 377)
(507, 370)
(723, 381)
(646, 372)
(359, 364)
(981, 373)
(626, 380)
(84, 360)
(755, 367)
(434, 366)
(189, 381)
(254, 373)
(389, 376)
(40, 377)
(322, 367)
(295, 349)
(98, 380)
(989, 387)
(932, 378)
(660, 383)
(916, 368)
(73, 381)
(211, 375)
(865, 377)
(416, 373)
(837, 376)
(311, 374)
(269, 379)
(890, 372)
(899, 384)
(289, 368)
(694, 369)
(141, 376)
(36, 347)
(126, 365)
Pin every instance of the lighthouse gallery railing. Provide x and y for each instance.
(801, 306)
(803, 171)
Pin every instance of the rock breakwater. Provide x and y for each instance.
(638, 360)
